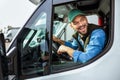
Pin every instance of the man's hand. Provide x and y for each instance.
(62, 49)
(65, 49)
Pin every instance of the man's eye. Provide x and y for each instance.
(75, 23)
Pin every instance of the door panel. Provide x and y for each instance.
(3, 59)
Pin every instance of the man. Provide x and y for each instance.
(89, 39)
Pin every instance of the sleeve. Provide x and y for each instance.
(95, 46)
(72, 44)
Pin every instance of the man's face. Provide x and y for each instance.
(80, 24)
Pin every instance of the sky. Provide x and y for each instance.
(15, 13)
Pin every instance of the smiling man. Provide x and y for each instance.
(89, 39)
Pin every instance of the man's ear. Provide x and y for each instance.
(71, 25)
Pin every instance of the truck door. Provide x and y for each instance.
(3, 60)
(32, 44)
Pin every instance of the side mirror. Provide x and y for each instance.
(36, 2)
(2, 43)
(3, 59)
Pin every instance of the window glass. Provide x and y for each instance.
(28, 37)
(34, 47)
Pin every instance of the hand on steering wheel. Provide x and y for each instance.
(64, 55)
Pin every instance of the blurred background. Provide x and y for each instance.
(13, 15)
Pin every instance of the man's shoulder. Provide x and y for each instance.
(98, 32)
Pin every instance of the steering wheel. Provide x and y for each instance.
(55, 47)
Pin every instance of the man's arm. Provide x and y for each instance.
(63, 49)
(95, 46)
(58, 40)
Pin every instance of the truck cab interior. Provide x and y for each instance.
(98, 12)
